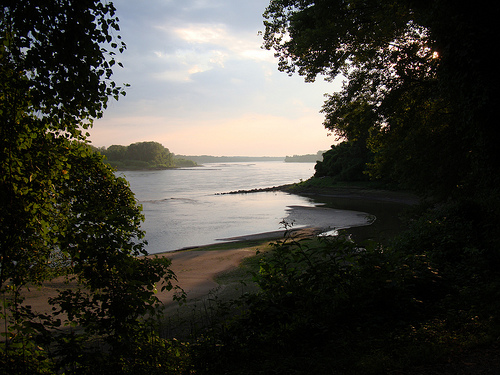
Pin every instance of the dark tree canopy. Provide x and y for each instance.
(345, 162)
(62, 210)
(152, 152)
(140, 155)
(55, 78)
(55, 54)
(419, 85)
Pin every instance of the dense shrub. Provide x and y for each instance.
(323, 298)
(346, 161)
(459, 239)
(328, 305)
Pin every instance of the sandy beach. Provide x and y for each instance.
(196, 269)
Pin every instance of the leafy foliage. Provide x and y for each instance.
(62, 210)
(458, 239)
(325, 304)
(143, 155)
(47, 50)
(417, 87)
(346, 161)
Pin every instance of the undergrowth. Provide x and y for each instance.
(324, 305)
(329, 305)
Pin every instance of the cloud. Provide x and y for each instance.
(181, 65)
(203, 34)
(203, 47)
(200, 83)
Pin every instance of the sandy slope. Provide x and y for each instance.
(196, 269)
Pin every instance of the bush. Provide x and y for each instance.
(323, 298)
(346, 161)
(459, 239)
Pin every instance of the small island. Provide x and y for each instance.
(143, 155)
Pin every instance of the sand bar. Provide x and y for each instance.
(196, 269)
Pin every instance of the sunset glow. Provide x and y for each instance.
(200, 83)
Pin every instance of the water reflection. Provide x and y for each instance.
(182, 209)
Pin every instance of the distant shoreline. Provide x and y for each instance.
(201, 159)
(200, 163)
(348, 191)
(385, 205)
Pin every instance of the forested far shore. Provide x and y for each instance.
(308, 158)
(153, 155)
(143, 155)
(201, 159)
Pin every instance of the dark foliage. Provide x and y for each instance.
(63, 212)
(419, 89)
(346, 161)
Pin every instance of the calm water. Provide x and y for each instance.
(182, 207)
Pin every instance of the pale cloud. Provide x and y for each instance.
(258, 55)
(202, 34)
(184, 63)
(244, 45)
(202, 84)
(210, 46)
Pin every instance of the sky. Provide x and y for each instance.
(200, 83)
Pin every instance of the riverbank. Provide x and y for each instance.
(364, 214)
(387, 207)
(210, 273)
(197, 268)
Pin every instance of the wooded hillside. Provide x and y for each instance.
(143, 155)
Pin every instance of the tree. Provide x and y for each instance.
(61, 209)
(151, 152)
(102, 242)
(344, 162)
(140, 154)
(418, 84)
(115, 152)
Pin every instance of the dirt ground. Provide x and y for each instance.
(196, 270)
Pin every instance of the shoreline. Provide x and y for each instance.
(349, 192)
(355, 199)
(382, 209)
(197, 267)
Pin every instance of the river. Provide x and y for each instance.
(183, 208)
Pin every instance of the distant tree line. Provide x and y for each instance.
(229, 159)
(308, 158)
(143, 155)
